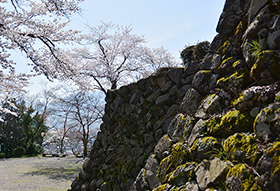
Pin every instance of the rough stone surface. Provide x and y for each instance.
(267, 121)
(155, 128)
(191, 101)
(211, 172)
(204, 81)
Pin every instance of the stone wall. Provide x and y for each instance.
(213, 124)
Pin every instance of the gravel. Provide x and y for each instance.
(39, 173)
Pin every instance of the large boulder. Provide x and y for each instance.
(204, 81)
(191, 101)
(269, 168)
(241, 147)
(210, 105)
(266, 69)
(241, 177)
(211, 172)
(204, 148)
(232, 14)
(266, 124)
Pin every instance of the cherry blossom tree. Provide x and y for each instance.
(36, 29)
(114, 57)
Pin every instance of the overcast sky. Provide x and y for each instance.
(172, 24)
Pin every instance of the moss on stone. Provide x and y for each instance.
(222, 49)
(248, 182)
(275, 152)
(160, 188)
(179, 155)
(242, 143)
(235, 82)
(212, 140)
(224, 62)
(232, 122)
(179, 173)
(266, 68)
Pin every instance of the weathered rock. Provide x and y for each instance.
(163, 147)
(191, 101)
(197, 129)
(259, 22)
(231, 16)
(172, 110)
(182, 91)
(269, 167)
(175, 75)
(240, 177)
(204, 148)
(190, 186)
(266, 69)
(144, 84)
(255, 96)
(211, 172)
(240, 147)
(273, 38)
(267, 121)
(154, 96)
(176, 126)
(204, 81)
(151, 167)
(216, 62)
(211, 104)
(229, 123)
(192, 67)
(162, 99)
(207, 62)
(140, 182)
(182, 174)
(188, 79)
(236, 82)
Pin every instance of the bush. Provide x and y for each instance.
(2, 155)
(18, 152)
(31, 150)
(195, 52)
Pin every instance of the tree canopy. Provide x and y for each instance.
(114, 57)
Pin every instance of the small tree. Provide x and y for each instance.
(115, 57)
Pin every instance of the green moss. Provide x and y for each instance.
(160, 188)
(176, 173)
(232, 122)
(222, 49)
(224, 62)
(206, 71)
(213, 143)
(240, 142)
(238, 80)
(179, 155)
(248, 181)
(265, 58)
(235, 63)
(275, 151)
(239, 28)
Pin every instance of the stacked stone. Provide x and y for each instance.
(211, 125)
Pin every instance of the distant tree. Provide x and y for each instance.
(33, 124)
(22, 128)
(35, 28)
(11, 133)
(195, 52)
(115, 57)
(81, 113)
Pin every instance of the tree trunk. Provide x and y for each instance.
(85, 147)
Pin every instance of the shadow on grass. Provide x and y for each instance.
(59, 173)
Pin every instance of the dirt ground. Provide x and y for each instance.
(39, 173)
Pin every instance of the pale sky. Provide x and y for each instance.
(172, 24)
